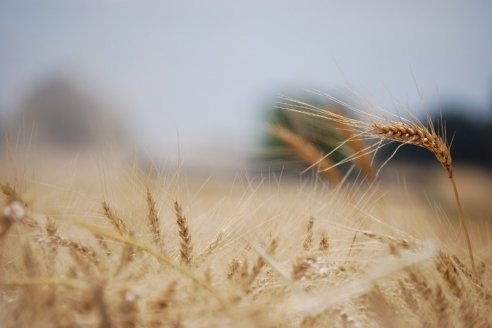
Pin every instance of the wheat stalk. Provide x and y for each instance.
(428, 138)
(357, 145)
(307, 152)
(99, 299)
(404, 131)
(57, 281)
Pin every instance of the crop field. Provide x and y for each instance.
(98, 243)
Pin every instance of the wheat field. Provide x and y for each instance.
(119, 246)
(107, 242)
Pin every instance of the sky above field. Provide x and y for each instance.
(206, 69)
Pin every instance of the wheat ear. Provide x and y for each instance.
(186, 247)
(307, 152)
(115, 220)
(418, 135)
(428, 138)
(153, 218)
(403, 131)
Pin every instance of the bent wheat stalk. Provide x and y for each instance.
(307, 152)
(415, 134)
(418, 135)
(403, 131)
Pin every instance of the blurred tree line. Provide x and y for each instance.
(60, 112)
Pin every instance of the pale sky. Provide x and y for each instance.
(205, 68)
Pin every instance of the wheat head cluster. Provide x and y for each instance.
(129, 248)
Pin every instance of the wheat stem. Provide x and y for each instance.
(462, 220)
(76, 284)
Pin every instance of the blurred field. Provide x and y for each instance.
(264, 251)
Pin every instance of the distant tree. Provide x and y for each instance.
(65, 115)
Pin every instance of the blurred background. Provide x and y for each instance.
(198, 80)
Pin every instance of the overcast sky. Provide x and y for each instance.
(205, 68)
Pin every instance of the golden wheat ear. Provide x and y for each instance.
(417, 135)
(186, 247)
(115, 220)
(403, 131)
(426, 137)
(153, 219)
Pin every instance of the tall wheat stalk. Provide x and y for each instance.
(381, 129)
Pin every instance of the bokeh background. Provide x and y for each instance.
(195, 80)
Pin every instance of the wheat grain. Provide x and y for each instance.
(186, 247)
(308, 241)
(417, 135)
(166, 297)
(79, 248)
(210, 249)
(324, 243)
(115, 220)
(153, 219)
(408, 296)
(233, 269)
(11, 194)
(256, 269)
(387, 240)
(301, 267)
(450, 274)
(420, 284)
